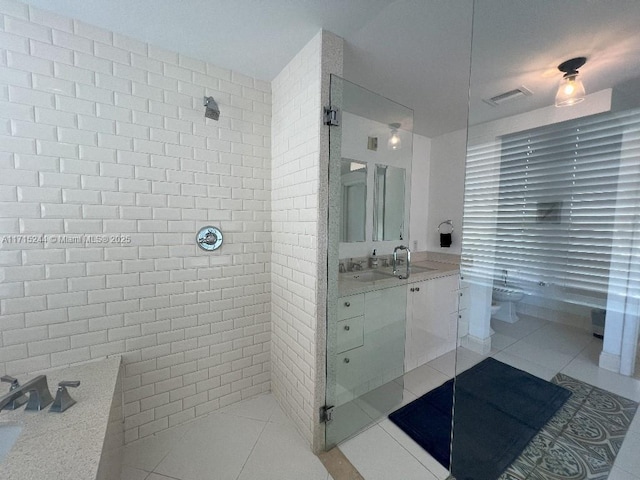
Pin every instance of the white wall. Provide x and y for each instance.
(420, 188)
(446, 189)
(105, 136)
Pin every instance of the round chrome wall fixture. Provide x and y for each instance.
(209, 238)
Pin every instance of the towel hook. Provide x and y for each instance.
(446, 222)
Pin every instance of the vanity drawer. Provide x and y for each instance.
(350, 333)
(352, 306)
(350, 369)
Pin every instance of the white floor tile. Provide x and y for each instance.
(559, 338)
(500, 341)
(525, 326)
(445, 364)
(282, 454)
(260, 407)
(589, 372)
(414, 449)
(147, 453)
(129, 473)
(551, 359)
(619, 474)
(217, 447)
(423, 379)
(628, 459)
(156, 476)
(384, 399)
(377, 456)
(278, 416)
(526, 365)
(465, 359)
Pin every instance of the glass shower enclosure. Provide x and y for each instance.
(370, 164)
(550, 242)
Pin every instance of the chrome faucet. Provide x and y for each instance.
(38, 390)
(395, 261)
(18, 402)
(354, 266)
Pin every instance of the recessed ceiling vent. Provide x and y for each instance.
(508, 96)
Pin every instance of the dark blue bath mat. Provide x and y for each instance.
(498, 410)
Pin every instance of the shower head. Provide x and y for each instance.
(211, 110)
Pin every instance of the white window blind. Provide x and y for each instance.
(557, 204)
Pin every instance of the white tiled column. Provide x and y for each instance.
(299, 204)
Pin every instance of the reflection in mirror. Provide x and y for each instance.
(354, 199)
(388, 203)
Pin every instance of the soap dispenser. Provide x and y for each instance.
(373, 260)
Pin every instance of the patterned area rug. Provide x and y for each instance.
(581, 441)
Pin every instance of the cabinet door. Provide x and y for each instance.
(415, 349)
(431, 329)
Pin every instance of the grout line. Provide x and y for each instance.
(253, 448)
(171, 448)
(405, 449)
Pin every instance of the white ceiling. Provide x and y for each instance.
(415, 52)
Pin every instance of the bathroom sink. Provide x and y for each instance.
(419, 269)
(9, 433)
(372, 276)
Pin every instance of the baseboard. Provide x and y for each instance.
(609, 361)
(477, 345)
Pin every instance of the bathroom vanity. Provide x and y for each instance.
(387, 325)
(81, 443)
(436, 317)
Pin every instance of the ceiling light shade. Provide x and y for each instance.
(571, 89)
(395, 142)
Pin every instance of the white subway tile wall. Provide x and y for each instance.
(103, 137)
(296, 125)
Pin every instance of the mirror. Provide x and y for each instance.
(388, 203)
(353, 177)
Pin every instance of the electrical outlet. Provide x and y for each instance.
(415, 245)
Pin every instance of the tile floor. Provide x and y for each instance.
(542, 348)
(249, 440)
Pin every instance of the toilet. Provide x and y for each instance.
(494, 309)
(505, 298)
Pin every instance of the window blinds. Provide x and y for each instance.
(557, 205)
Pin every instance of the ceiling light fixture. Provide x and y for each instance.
(571, 89)
(395, 142)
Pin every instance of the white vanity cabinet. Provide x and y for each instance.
(370, 350)
(463, 310)
(432, 319)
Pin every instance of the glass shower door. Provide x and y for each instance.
(550, 247)
(370, 165)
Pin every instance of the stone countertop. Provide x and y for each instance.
(349, 284)
(68, 445)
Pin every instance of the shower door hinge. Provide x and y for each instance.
(331, 116)
(326, 414)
